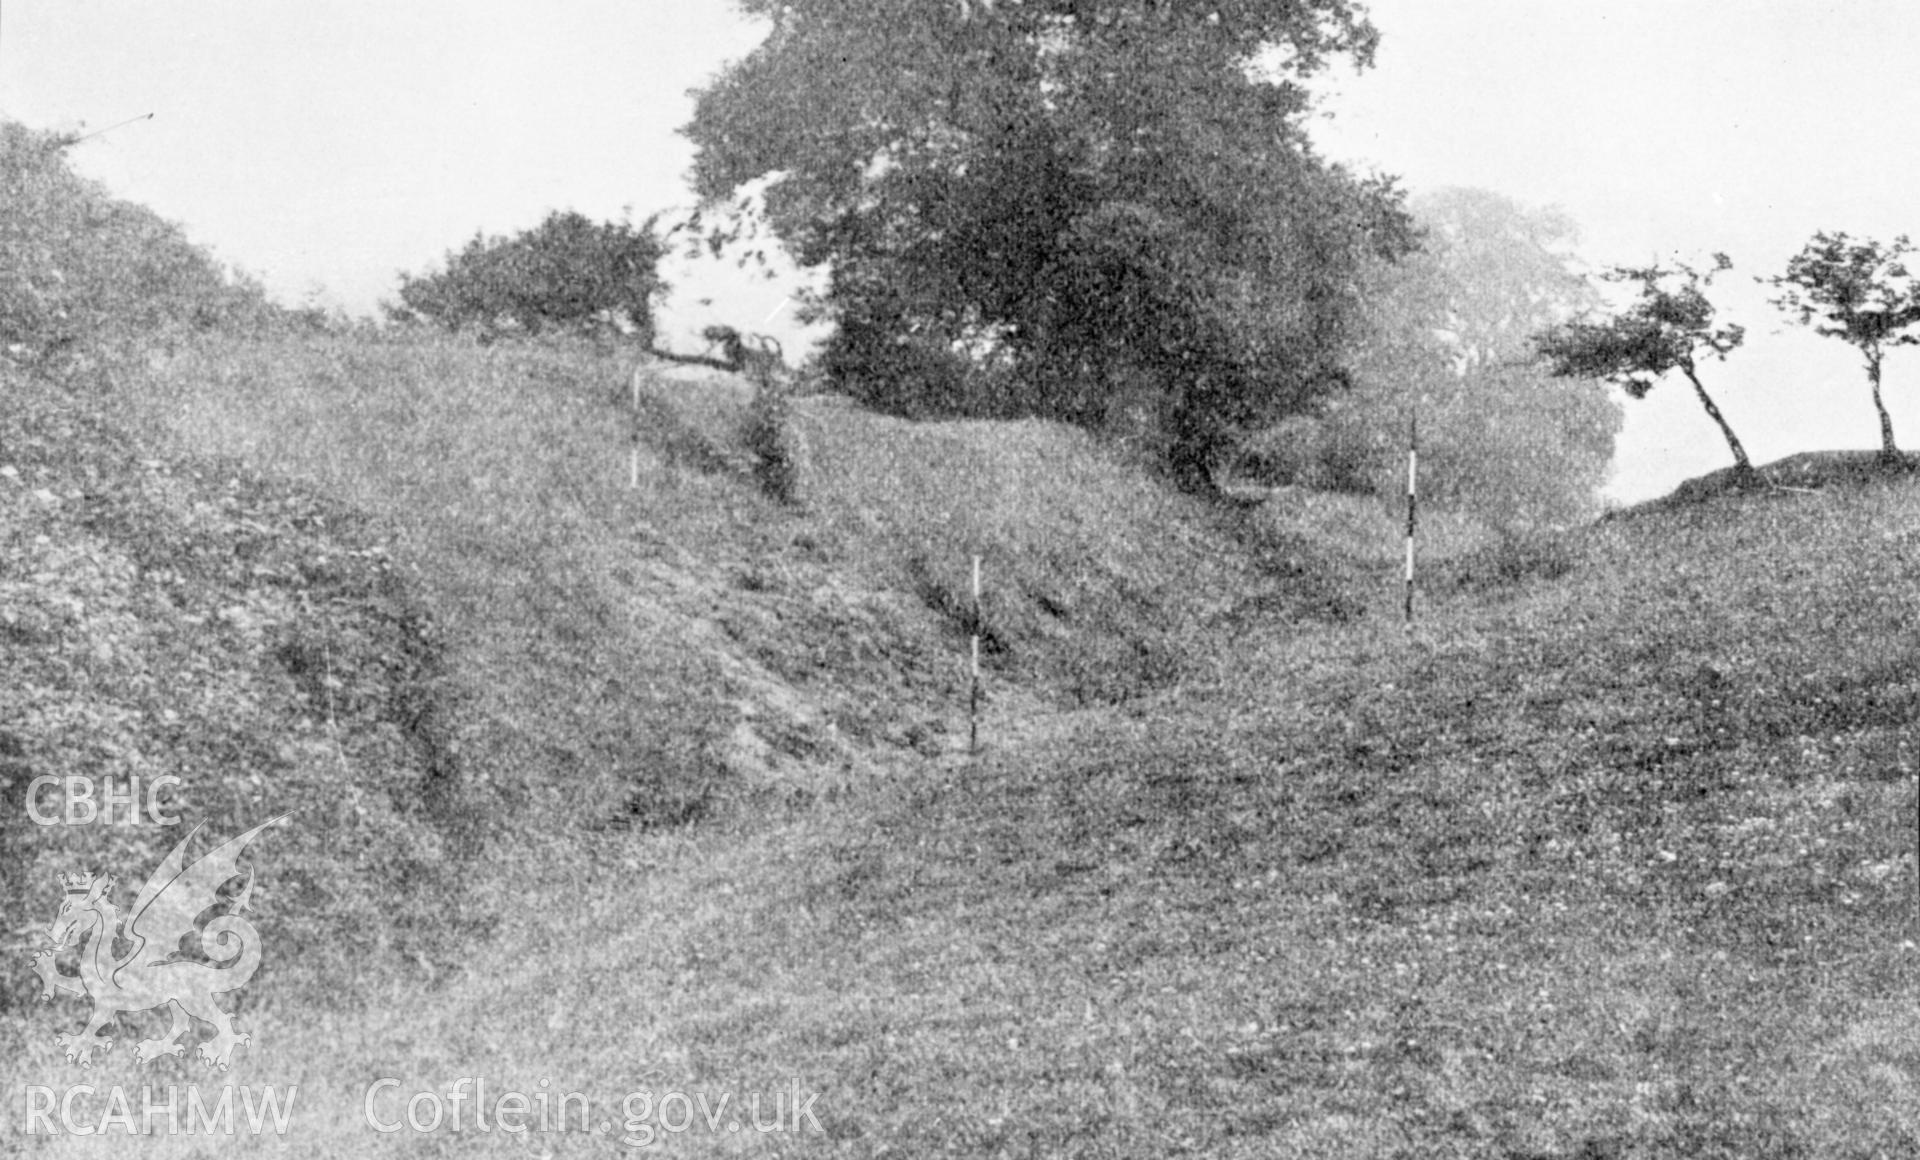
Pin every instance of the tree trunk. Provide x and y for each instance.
(1740, 459)
(1888, 452)
(700, 360)
(1190, 446)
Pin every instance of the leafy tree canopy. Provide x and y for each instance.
(1082, 193)
(1670, 326)
(568, 272)
(1863, 294)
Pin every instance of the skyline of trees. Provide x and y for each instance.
(1840, 285)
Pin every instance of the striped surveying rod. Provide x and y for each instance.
(1413, 465)
(973, 692)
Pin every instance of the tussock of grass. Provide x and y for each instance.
(1513, 559)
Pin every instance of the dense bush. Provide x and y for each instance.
(917, 378)
(567, 273)
(779, 450)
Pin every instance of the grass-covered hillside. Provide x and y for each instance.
(249, 638)
(1612, 855)
(643, 636)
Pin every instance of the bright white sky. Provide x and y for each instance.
(324, 145)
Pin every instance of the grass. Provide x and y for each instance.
(201, 623)
(505, 476)
(1099, 583)
(1804, 472)
(1612, 855)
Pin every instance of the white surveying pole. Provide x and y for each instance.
(1413, 468)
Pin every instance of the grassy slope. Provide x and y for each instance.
(596, 625)
(196, 621)
(1617, 864)
(665, 636)
(1805, 471)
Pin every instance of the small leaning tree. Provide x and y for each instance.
(1669, 327)
(1863, 294)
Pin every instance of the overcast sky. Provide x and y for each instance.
(324, 146)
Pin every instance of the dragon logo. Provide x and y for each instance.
(151, 974)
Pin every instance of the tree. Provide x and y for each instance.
(1090, 194)
(1670, 327)
(567, 272)
(1864, 295)
(1449, 334)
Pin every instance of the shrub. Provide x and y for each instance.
(776, 442)
(568, 273)
(918, 379)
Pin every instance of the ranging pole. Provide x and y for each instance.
(973, 692)
(1413, 466)
(633, 453)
